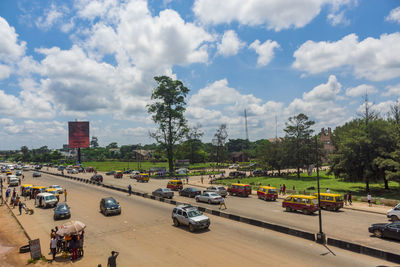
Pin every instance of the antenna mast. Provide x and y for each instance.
(276, 128)
(245, 121)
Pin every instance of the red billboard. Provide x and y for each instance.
(78, 134)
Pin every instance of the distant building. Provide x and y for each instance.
(141, 154)
(238, 157)
(325, 138)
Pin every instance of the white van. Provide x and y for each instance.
(394, 214)
(13, 181)
(46, 200)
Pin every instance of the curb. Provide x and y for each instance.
(388, 256)
(19, 223)
(368, 211)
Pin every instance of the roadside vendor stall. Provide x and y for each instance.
(72, 236)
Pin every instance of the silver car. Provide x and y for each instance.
(220, 190)
(209, 197)
(163, 192)
(190, 216)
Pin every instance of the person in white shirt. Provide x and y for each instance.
(53, 246)
(369, 199)
(328, 191)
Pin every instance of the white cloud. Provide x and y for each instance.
(277, 15)
(320, 104)
(381, 108)
(51, 17)
(5, 71)
(373, 59)
(9, 48)
(394, 15)
(265, 51)
(360, 90)
(393, 90)
(338, 18)
(230, 44)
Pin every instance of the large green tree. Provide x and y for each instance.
(168, 113)
(298, 134)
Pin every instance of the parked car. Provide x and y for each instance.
(59, 189)
(189, 216)
(233, 166)
(189, 192)
(18, 173)
(127, 171)
(237, 174)
(110, 173)
(386, 230)
(45, 200)
(60, 168)
(394, 213)
(97, 178)
(109, 205)
(220, 190)
(243, 190)
(259, 172)
(163, 192)
(14, 181)
(209, 197)
(36, 174)
(62, 211)
(330, 201)
(73, 171)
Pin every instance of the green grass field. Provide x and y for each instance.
(326, 181)
(120, 165)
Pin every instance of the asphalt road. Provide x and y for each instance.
(144, 235)
(350, 225)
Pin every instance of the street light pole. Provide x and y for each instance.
(320, 236)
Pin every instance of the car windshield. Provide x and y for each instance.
(111, 201)
(315, 201)
(166, 190)
(221, 188)
(50, 197)
(214, 195)
(194, 213)
(62, 208)
(272, 191)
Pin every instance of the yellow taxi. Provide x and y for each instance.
(175, 185)
(304, 203)
(267, 193)
(330, 201)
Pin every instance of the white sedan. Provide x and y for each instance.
(209, 197)
(59, 189)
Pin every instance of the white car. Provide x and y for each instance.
(59, 189)
(234, 166)
(209, 197)
(14, 181)
(394, 214)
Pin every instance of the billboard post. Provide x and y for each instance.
(78, 135)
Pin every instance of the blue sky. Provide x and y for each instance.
(95, 60)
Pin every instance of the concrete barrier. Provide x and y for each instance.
(364, 250)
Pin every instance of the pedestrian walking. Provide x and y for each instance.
(23, 177)
(20, 207)
(369, 199)
(284, 189)
(65, 195)
(349, 199)
(345, 198)
(53, 246)
(222, 203)
(129, 189)
(201, 179)
(7, 194)
(280, 189)
(112, 260)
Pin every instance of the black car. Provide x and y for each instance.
(62, 211)
(388, 230)
(109, 205)
(189, 192)
(96, 178)
(237, 174)
(127, 171)
(110, 173)
(36, 174)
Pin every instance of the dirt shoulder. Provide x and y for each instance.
(12, 237)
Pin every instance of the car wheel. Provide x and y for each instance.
(176, 223)
(191, 228)
(55, 218)
(394, 218)
(197, 199)
(305, 211)
(288, 209)
(209, 201)
(378, 233)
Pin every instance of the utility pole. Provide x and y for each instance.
(245, 121)
(320, 236)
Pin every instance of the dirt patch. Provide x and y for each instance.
(12, 238)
